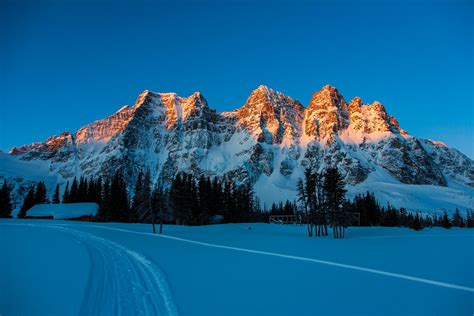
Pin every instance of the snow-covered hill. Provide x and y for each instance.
(267, 142)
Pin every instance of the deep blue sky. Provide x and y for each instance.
(67, 63)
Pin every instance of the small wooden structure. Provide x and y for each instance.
(71, 211)
(285, 219)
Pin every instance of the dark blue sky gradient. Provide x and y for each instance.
(67, 63)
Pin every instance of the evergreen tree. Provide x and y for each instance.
(104, 207)
(145, 210)
(306, 195)
(90, 193)
(28, 202)
(216, 197)
(243, 199)
(119, 207)
(334, 193)
(41, 195)
(445, 222)
(178, 198)
(5, 201)
(192, 201)
(74, 192)
(159, 207)
(416, 223)
(369, 210)
(469, 219)
(138, 199)
(204, 197)
(97, 197)
(228, 202)
(403, 217)
(66, 193)
(56, 194)
(82, 190)
(390, 217)
(457, 221)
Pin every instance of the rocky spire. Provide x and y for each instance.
(271, 116)
(327, 113)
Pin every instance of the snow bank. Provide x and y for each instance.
(64, 211)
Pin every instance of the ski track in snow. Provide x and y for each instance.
(121, 282)
(305, 259)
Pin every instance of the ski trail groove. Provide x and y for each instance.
(121, 281)
(306, 259)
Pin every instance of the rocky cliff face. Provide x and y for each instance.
(267, 142)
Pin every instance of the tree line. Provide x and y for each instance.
(202, 200)
(187, 200)
(323, 204)
(373, 214)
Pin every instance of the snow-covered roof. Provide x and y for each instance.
(63, 211)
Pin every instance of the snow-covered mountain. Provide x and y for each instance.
(267, 142)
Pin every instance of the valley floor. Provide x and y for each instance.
(70, 268)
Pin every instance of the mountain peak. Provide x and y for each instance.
(355, 105)
(328, 87)
(199, 97)
(263, 90)
(326, 98)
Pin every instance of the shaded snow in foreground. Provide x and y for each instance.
(46, 269)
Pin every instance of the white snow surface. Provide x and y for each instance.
(63, 211)
(423, 198)
(233, 269)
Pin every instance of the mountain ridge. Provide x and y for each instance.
(270, 139)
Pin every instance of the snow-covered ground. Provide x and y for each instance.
(69, 268)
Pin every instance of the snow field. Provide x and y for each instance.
(276, 270)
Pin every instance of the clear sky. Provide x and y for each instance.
(66, 63)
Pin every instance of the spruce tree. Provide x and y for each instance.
(416, 223)
(138, 199)
(118, 200)
(41, 195)
(74, 192)
(457, 221)
(28, 202)
(104, 206)
(334, 193)
(159, 207)
(306, 195)
(216, 198)
(204, 197)
(145, 212)
(469, 219)
(82, 190)
(97, 198)
(228, 202)
(445, 222)
(66, 193)
(5, 201)
(176, 200)
(56, 194)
